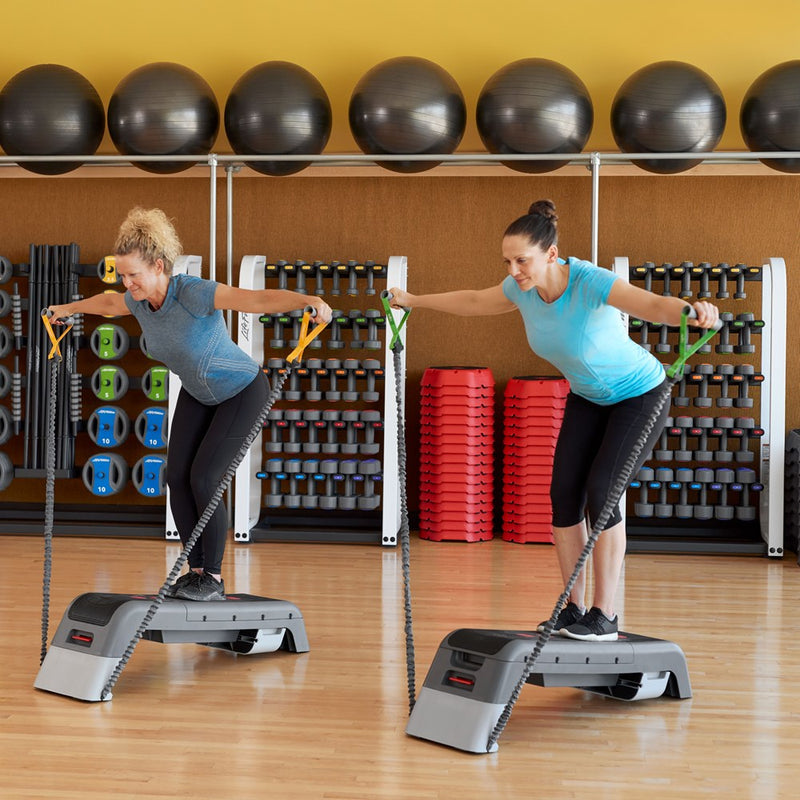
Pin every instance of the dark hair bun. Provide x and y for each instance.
(544, 208)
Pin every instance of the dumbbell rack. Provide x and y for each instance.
(325, 469)
(683, 498)
(87, 460)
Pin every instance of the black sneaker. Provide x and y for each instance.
(207, 587)
(567, 616)
(594, 626)
(190, 577)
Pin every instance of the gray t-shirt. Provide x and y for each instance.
(189, 336)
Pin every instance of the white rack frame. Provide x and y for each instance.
(773, 398)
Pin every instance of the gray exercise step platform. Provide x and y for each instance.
(475, 671)
(97, 628)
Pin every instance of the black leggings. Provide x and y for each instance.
(203, 441)
(592, 447)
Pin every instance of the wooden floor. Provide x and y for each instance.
(189, 721)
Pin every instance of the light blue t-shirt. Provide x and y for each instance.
(189, 336)
(585, 338)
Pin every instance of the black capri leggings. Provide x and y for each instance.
(203, 441)
(592, 447)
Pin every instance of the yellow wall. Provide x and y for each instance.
(338, 40)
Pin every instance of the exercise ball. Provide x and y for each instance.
(668, 107)
(50, 110)
(770, 115)
(277, 108)
(534, 105)
(407, 105)
(163, 109)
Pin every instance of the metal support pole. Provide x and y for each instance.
(212, 233)
(595, 168)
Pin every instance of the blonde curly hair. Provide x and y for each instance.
(151, 234)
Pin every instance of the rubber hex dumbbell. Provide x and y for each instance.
(644, 273)
(335, 374)
(724, 477)
(296, 317)
(744, 376)
(662, 345)
(334, 426)
(703, 427)
(356, 321)
(339, 320)
(277, 272)
(303, 271)
(277, 427)
(745, 428)
(701, 273)
(373, 372)
(640, 327)
(371, 269)
(663, 477)
(295, 477)
(644, 477)
(722, 428)
(316, 374)
(310, 469)
(351, 367)
(684, 477)
(279, 323)
(370, 470)
(374, 319)
(319, 286)
(373, 426)
(293, 392)
(664, 273)
(722, 379)
(703, 510)
(684, 272)
(723, 344)
(745, 326)
(681, 429)
(681, 398)
(329, 471)
(720, 274)
(737, 273)
(315, 427)
(349, 500)
(662, 450)
(353, 425)
(296, 426)
(746, 511)
(700, 377)
(274, 471)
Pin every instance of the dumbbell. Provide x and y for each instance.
(371, 270)
(353, 425)
(681, 399)
(703, 427)
(700, 377)
(149, 476)
(720, 274)
(745, 376)
(663, 477)
(745, 325)
(644, 477)
(296, 317)
(293, 467)
(277, 272)
(6, 341)
(108, 426)
(354, 269)
(348, 501)
(278, 322)
(370, 470)
(372, 426)
(339, 320)
(642, 327)
(273, 470)
(724, 478)
(662, 345)
(310, 469)
(723, 344)
(5, 381)
(329, 472)
(737, 272)
(356, 321)
(664, 273)
(374, 319)
(351, 367)
(155, 384)
(333, 422)
(746, 482)
(744, 429)
(6, 270)
(6, 425)
(342, 273)
(373, 372)
(316, 372)
(275, 369)
(5, 303)
(722, 428)
(293, 393)
(295, 426)
(277, 426)
(662, 451)
(315, 425)
(301, 271)
(684, 272)
(109, 342)
(681, 429)
(644, 273)
(701, 274)
(702, 509)
(151, 427)
(105, 474)
(335, 374)
(721, 378)
(684, 478)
